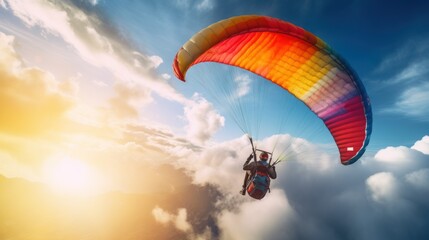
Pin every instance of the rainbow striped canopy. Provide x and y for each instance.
(297, 61)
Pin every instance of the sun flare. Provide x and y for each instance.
(69, 176)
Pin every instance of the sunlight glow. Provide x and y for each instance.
(67, 175)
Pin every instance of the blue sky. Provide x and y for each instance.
(88, 86)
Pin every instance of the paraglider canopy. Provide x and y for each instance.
(297, 61)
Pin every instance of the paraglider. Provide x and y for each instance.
(297, 61)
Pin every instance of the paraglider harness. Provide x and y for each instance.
(258, 183)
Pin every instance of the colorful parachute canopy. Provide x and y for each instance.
(297, 61)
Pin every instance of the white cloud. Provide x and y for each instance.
(205, 5)
(382, 186)
(218, 164)
(422, 145)
(266, 219)
(162, 216)
(410, 65)
(93, 44)
(200, 5)
(151, 61)
(243, 84)
(8, 56)
(156, 60)
(411, 59)
(127, 100)
(93, 2)
(32, 99)
(394, 59)
(180, 222)
(203, 120)
(41, 13)
(394, 155)
(419, 179)
(400, 160)
(413, 102)
(414, 70)
(166, 76)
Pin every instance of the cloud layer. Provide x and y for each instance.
(414, 101)
(180, 222)
(409, 65)
(321, 198)
(35, 102)
(44, 120)
(31, 99)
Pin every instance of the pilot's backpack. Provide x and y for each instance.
(259, 183)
